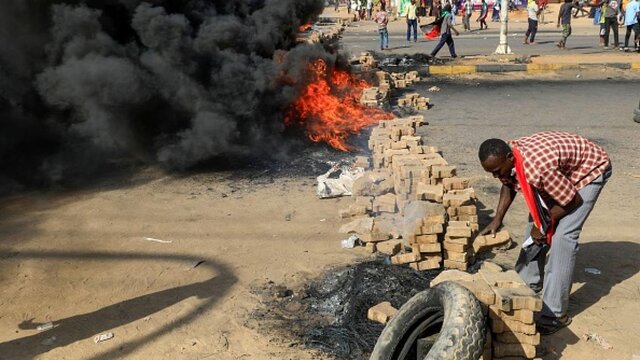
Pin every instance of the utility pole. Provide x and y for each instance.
(503, 46)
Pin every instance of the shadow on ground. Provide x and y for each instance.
(83, 326)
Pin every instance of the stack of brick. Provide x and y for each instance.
(415, 101)
(370, 97)
(423, 223)
(384, 81)
(367, 61)
(511, 306)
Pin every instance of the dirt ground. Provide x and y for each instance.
(80, 258)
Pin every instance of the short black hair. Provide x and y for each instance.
(493, 147)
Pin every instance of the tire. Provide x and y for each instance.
(636, 114)
(448, 309)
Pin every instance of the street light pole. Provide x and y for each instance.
(503, 46)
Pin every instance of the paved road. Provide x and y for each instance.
(361, 36)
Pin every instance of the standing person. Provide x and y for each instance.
(454, 12)
(542, 4)
(495, 16)
(611, 22)
(532, 17)
(468, 11)
(369, 9)
(445, 31)
(482, 19)
(580, 9)
(564, 17)
(382, 19)
(412, 21)
(563, 174)
(349, 6)
(632, 11)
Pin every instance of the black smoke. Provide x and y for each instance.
(170, 82)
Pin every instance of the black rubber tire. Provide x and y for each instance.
(447, 308)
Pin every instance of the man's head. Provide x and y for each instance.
(496, 157)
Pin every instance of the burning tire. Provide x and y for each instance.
(447, 313)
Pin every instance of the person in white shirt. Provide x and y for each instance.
(533, 10)
(632, 12)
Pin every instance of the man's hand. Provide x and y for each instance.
(538, 237)
(492, 228)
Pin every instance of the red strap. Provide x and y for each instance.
(529, 195)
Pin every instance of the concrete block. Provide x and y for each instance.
(488, 266)
(406, 258)
(430, 248)
(430, 229)
(458, 240)
(481, 290)
(426, 265)
(456, 200)
(452, 275)
(487, 242)
(361, 225)
(468, 210)
(451, 264)
(509, 337)
(499, 326)
(449, 246)
(425, 239)
(517, 298)
(389, 247)
(458, 232)
(382, 312)
(469, 218)
(430, 192)
(524, 316)
(455, 183)
(374, 236)
(456, 256)
(440, 171)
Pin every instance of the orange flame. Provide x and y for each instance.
(304, 27)
(329, 108)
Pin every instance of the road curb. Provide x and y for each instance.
(529, 68)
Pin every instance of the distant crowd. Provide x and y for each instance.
(608, 15)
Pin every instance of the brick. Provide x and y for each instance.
(499, 326)
(524, 350)
(508, 299)
(487, 242)
(433, 219)
(480, 289)
(360, 225)
(488, 266)
(430, 248)
(426, 265)
(456, 200)
(430, 229)
(509, 337)
(382, 312)
(370, 247)
(426, 239)
(389, 247)
(524, 316)
(458, 224)
(503, 279)
(406, 258)
(458, 232)
(450, 264)
(353, 210)
(374, 236)
(452, 275)
(467, 192)
(455, 183)
(469, 218)
(449, 246)
(430, 192)
(456, 256)
(366, 201)
(458, 240)
(446, 171)
(468, 210)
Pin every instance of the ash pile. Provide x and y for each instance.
(330, 313)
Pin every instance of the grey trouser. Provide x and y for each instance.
(465, 21)
(556, 278)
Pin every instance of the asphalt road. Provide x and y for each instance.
(362, 36)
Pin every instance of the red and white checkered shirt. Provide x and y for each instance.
(558, 164)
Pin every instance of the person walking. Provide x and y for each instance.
(468, 11)
(369, 9)
(632, 12)
(482, 19)
(564, 19)
(560, 176)
(382, 19)
(532, 17)
(495, 16)
(412, 21)
(445, 33)
(580, 8)
(611, 22)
